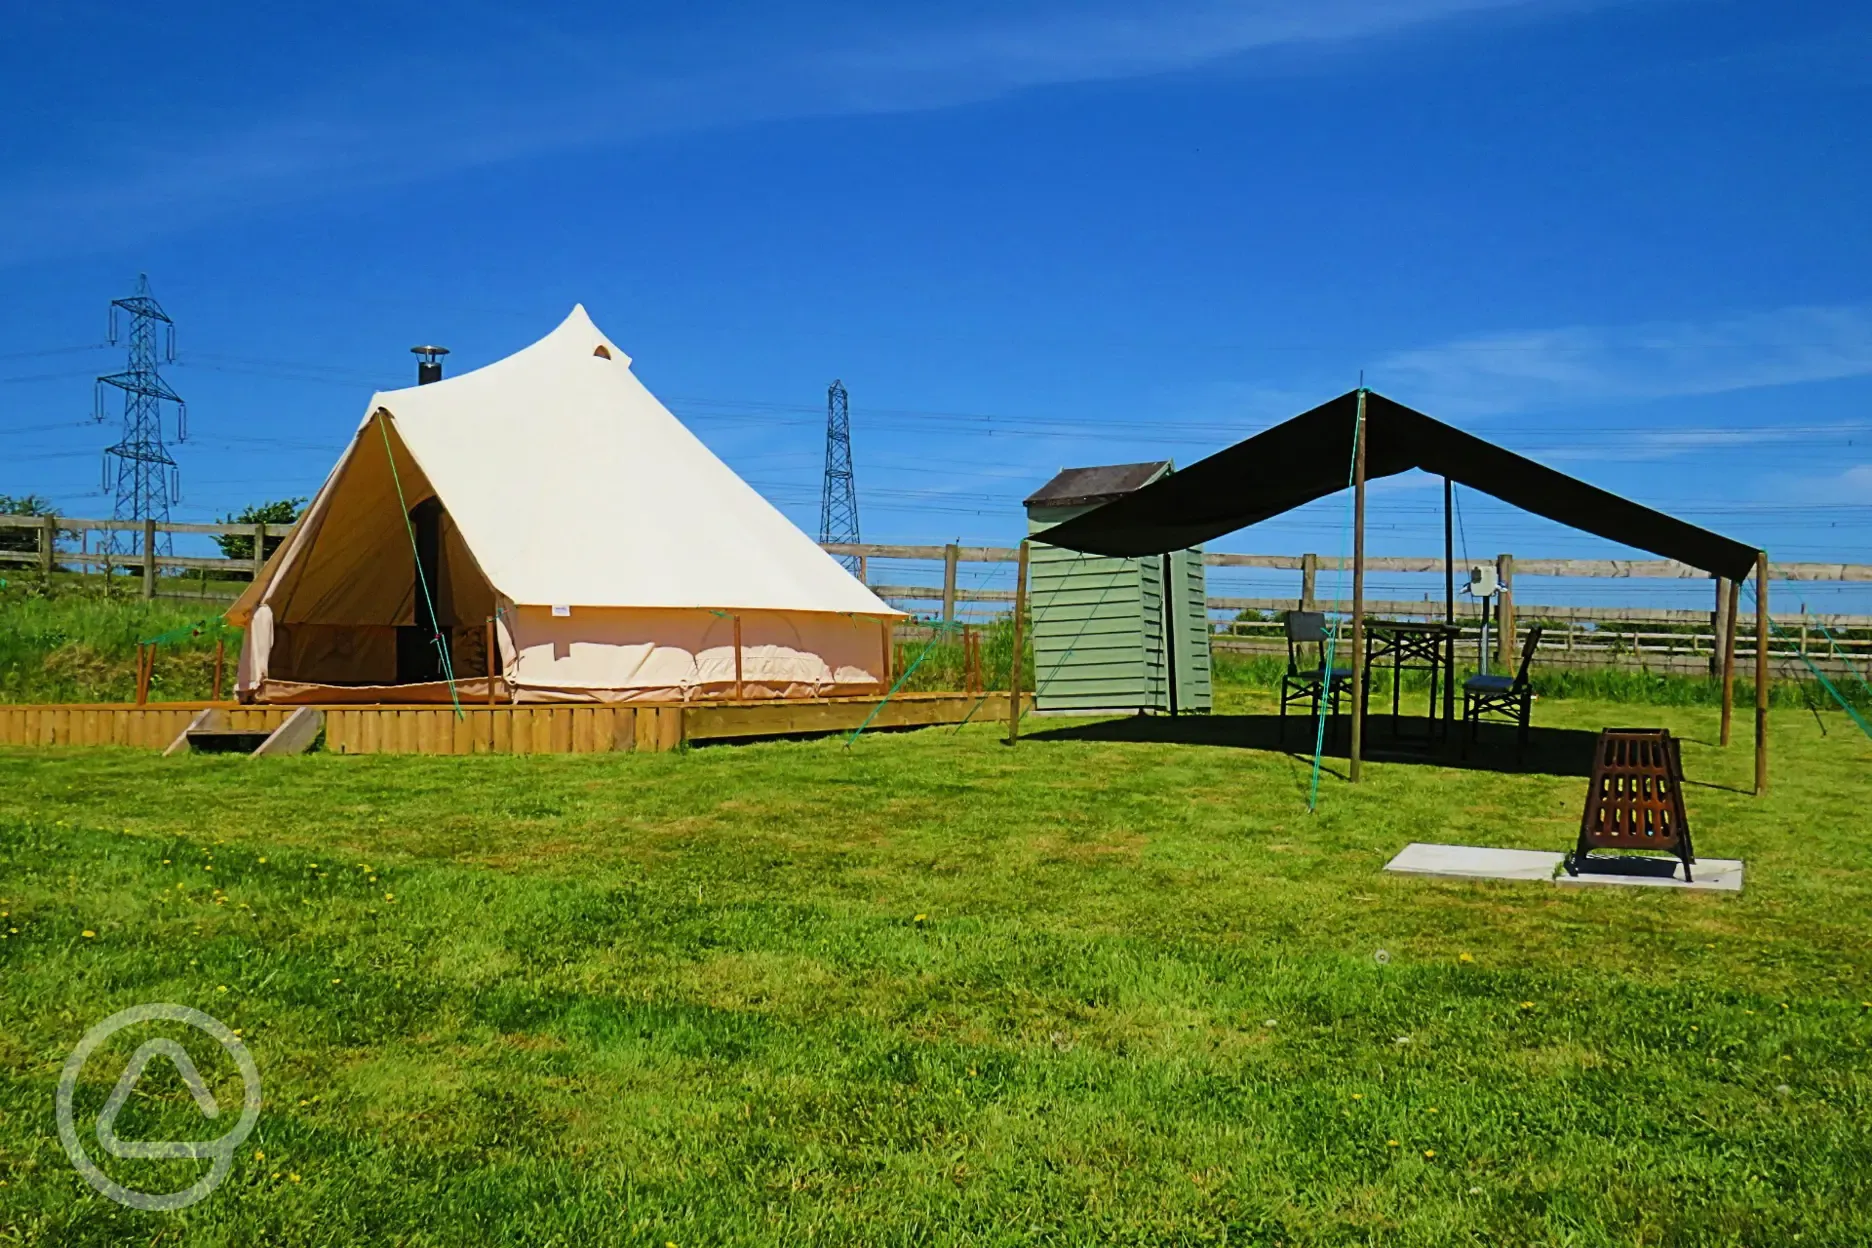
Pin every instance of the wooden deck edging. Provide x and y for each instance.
(522, 729)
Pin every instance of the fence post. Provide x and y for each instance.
(950, 555)
(149, 559)
(1505, 614)
(259, 550)
(1719, 625)
(48, 538)
(1309, 580)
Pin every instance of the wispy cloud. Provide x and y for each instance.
(528, 86)
(1526, 371)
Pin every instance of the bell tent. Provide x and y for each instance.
(549, 509)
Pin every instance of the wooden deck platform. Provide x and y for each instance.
(526, 729)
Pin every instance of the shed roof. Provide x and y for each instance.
(1310, 456)
(1078, 487)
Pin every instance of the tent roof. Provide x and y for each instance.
(1310, 457)
(572, 485)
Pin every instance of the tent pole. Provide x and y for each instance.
(1014, 663)
(1449, 601)
(737, 658)
(1358, 592)
(1761, 672)
(1732, 592)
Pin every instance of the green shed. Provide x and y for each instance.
(1099, 623)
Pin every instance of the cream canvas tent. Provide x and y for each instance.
(548, 504)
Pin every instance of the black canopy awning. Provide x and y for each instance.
(1310, 457)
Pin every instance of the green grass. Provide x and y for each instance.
(78, 643)
(931, 990)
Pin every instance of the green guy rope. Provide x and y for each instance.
(1821, 677)
(937, 628)
(422, 581)
(1839, 654)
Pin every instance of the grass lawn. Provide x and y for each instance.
(932, 990)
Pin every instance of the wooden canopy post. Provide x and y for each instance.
(1730, 593)
(1505, 613)
(1014, 663)
(1761, 672)
(1449, 600)
(1358, 592)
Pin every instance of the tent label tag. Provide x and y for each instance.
(560, 612)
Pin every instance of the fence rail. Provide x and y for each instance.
(1591, 633)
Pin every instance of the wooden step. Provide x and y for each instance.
(225, 740)
(208, 733)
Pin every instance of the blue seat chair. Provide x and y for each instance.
(1502, 698)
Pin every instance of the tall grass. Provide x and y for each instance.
(78, 643)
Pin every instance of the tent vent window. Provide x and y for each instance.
(601, 351)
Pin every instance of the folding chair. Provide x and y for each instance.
(1503, 697)
(1308, 683)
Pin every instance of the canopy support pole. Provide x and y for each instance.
(1355, 765)
(1732, 593)
(1449, 601)
(1014, 662)
(1761, 673)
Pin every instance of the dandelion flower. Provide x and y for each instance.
(263, 862)
(220, 987)
(1429, 1152)
(1358, 1096)
(1466, 958)
(337, 981)
(1527, 1005)
(919, 918)
(258, 1155)
(1391, 1143)
(88, 933)
(293, 1177)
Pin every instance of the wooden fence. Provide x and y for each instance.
(1661, 637)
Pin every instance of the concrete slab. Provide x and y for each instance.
(1715, 875)
(1476, 863)
(1469, 862)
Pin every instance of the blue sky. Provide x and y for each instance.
(1626, 237)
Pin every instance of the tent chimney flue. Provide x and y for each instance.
(428, 364)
